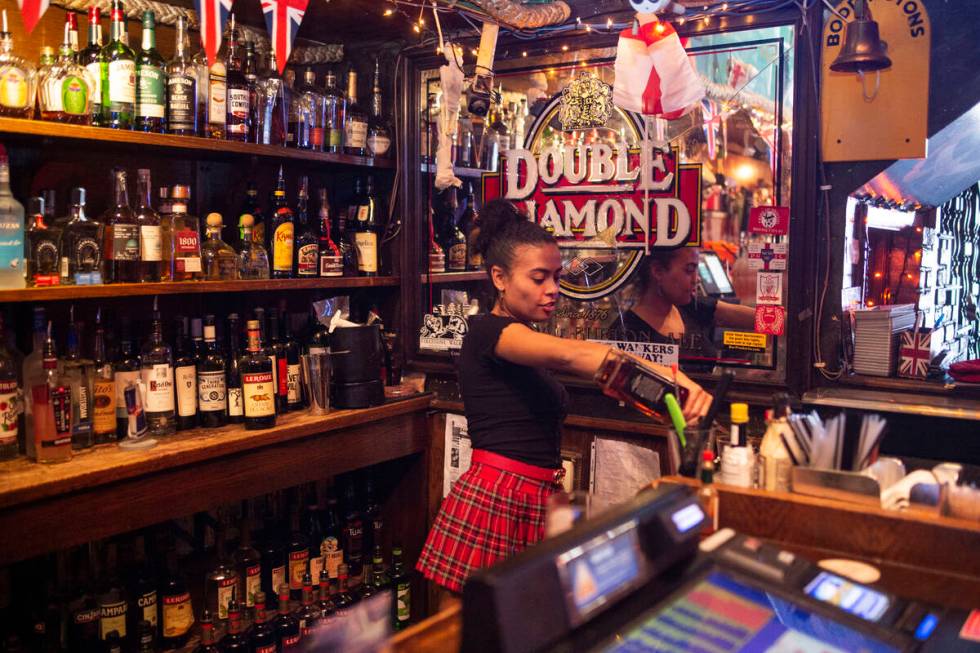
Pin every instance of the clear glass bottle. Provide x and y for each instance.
(307, 247)
(151, 233)
(379, 134)
(271, 108)
(93, 59)
(151, 81)
(66, 88)
(253, 260)
(181, 242)
(335, 110)
(10, 400)
(311, 104)
(103, 388)
(218, 258)
(119, 74)
(122, 235)
(52, 410)
(157, 379)
(12, 267)
(217, 86)
(44, 242)
(18, 79)
(331, 259)
(182, 81)
(81, 245)
(356, 120)
(78, 372)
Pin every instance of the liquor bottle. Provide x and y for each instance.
(310, 100)
(287, 626)
(9, 401)
(379, 581)
(253, 260)
(331, 261)
(151, 236)
(181, 239)
(219, 260)
(122, 235)
(146, 635)
(221, 580)
(626, 379)
(157, 377)
(12, 266)
(251, 207)
(379, 134)
(78, 372)
(113, 604)
(202, 70)
(248, 566)
(281, 240)
(263, 638)
(119, 77)
(333, 553)
(294, 388)
(335, 111)
(83, 606)
(65, 87)
(43, 240)
(325, 601)
(250, 70)
(343, 599)
(18, 79)
(352, 535)
(366, 231)
(277, 351)
(209, 637)
(313, 530)
(271, 107)
(373, 521)
(103, 388)
(258, 388)
(307, 248)
(125, 373)
(437, 255)
(356, 120)
(185, 377)
(182, 79)
(401, 580)
(218, 82)
(176, 610)
(151, 81)
(236, 403)
(273, 553)
(142, 590)
(211, 388)
(454, 241)
(71, 27)
(33, 375)
(197, 337)
(238, 118)
(470, 222)
(296, 114)
(707, 493)
(93, 59)
(235, 640)
(298, 551)
(52, 411)
(345, 235)
(81, 245)
(307, 614)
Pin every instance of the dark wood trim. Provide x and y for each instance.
(453, 277)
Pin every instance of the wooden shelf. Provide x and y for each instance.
(454, 277)
(56, 293)
(17, 127)
(912, 399)
(462, 173)
(108, 490)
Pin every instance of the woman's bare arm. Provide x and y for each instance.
(735, 315)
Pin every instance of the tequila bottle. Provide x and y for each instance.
(119, 76)
(253, 260)
(78, 372)
(157, 379)
(18, 79)
(181, 242)
(44, 241)
(151, 80)
(219, 259)
(81, 245)
(66, 88)
(151, 236)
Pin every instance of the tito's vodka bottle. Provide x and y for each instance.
(157, 378)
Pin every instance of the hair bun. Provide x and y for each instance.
(496, 217)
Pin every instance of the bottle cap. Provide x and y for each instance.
(740, 413)
(181, 191)
(246, 220)
(707, 455)
(213, 219)
(47, 50)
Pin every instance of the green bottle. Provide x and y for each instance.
(151, 81)
(119, 79)
(94, 61)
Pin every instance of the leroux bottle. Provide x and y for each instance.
(9, 400)
(104, 388)
(44, 262)
(306, 247)
(78, 371)
(119, 77)
(18, 79)
(151, 81)
(176, 610)
(151, 236)
(379, 135)
(122, 235)
(335, 111)
(308, 614)
(263, 638)
(331, 259)
(248, 566)
(182, 80)
(81, 245)
(258, 387)
(94, 61)
(12, 267)
(221, 579)
(287, 626)
(185, 377)
(283, 230)
(235, 640)
(211, 384)
(157, 378)
(236, 401)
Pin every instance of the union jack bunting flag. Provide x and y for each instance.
(282, 19)
(31, 11)
(212, 14)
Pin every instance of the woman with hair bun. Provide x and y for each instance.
(513, 404)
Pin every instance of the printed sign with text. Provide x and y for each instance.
(767, 256)
(771, 220)
(769, 288)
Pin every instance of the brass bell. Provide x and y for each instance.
(863, 50)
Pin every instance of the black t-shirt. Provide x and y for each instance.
(511, 410)
(697, 342)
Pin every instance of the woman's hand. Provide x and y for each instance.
(698, 400)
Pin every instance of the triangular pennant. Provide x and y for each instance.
(31, 11)
(212, 15)
(282, 19)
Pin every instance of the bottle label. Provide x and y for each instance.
(291, 641)
(282, 248)
(151, 243)
(367, 251)
(282, 377)
(217, 95)
(271, 648)
(112, 617)
(226, 590)
(379, 144)
(331, 265)
(238, 110)
(186, 377)
(88, 254)
(74, 96)
(148, 606)
(151, 95)
(159, 382)
(50, 92)
(457, 257)
(95, 72)
(125, 242)
(316, 137)
(253, 584)
(182, 102)
(316, 566)
(260, 393)
(355, 134)
(61, 403)
(187, 251)
(333, 555)
(293, 395)
(89, 616)
(122, 381)
(13, 88)
(211, 391)
(178, 615)
(9, 410)
(403, 599)
(122, 81)
(306, 261)
(236, 406)
(278, 578)
(297, 567)
(336, 137)
(104, 420)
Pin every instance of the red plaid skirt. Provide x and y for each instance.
(490, 514)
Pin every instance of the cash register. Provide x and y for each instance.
(639, 578)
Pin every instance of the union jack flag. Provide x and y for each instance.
(212, 15)
(712, 121)
(31, 11)
(282, 19)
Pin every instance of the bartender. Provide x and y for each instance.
(668, 309)
(514, 406)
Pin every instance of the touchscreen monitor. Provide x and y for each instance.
(718, 272)
(857, 599)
